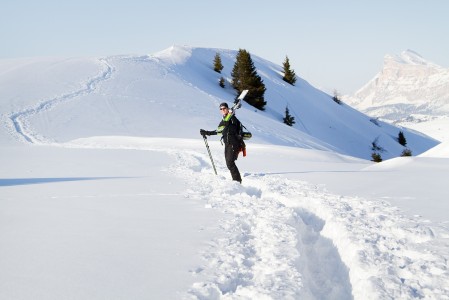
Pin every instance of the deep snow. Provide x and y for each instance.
(107, 191)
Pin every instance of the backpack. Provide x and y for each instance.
(245, 135)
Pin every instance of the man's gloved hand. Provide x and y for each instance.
(203, 132)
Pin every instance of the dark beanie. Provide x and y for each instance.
(224, 104)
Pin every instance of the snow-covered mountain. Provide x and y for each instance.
(107, 190)
(408, 87)
(180, 84)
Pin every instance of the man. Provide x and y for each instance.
(230, 128)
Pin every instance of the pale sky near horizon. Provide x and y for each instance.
(335, 45)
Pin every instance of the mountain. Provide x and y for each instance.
(107, 190)
(121, 95)
(408, 88)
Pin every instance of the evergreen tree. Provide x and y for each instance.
(245, 77)
(288, 119)
(289, 74)
(221, 82)
(406, 152)
(218, 66)
(375, 145)
(401, 139)
(376, 157)
(336, 97)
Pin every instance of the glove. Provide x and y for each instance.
(203, 132)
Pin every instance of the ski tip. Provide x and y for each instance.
(243, 94)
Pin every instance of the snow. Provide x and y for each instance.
(107, 190)
(408, 88)
(410, 57)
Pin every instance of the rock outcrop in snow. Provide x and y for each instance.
(407, 85)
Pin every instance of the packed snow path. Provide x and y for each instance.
(268, 251)
(280, 237)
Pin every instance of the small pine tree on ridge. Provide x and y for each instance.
(289, 74)
(288, 119)
(218, 66)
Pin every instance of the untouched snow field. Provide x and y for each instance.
(101, 199)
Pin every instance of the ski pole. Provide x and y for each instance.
(210, 155)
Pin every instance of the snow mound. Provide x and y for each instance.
(441, 150)
(175, 55)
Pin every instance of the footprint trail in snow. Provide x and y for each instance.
(285, 239)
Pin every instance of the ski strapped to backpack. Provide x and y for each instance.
(245, 135)
(238, 101)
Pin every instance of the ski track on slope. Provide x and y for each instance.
(18, 121)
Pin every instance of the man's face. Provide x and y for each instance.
(224, 110)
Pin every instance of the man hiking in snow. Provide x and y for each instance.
(230, 128)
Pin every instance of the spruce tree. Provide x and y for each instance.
(289, 74)
(221, 82)
(288, 119)
(376, 157)
(245, 77)
(218, 66)
(401, 139)
(336, 97)
(375, 145)
(406, 152)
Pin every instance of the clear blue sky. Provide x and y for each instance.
(332, 44)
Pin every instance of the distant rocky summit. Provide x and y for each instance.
(408, 88)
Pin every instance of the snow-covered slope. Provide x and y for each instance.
(122, 94)
(107, 190)
(407, 88)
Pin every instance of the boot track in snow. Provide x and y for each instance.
(22, 128)
(287, 239)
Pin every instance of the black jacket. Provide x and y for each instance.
(231, 129)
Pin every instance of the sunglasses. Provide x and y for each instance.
(223, 108)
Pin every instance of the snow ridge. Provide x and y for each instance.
(21, 126)
(410, 57)
(181, 84)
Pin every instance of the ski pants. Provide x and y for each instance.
(231, 154)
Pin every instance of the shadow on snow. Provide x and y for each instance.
(27, 181)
